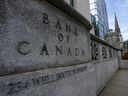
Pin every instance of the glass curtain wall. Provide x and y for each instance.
(99, 12)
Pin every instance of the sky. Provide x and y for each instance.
(121, 9)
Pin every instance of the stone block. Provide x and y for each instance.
(104, 73)
(36, 35)
(77, 80)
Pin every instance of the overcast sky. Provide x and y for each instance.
(121, 9)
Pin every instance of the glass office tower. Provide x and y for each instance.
(99, 17)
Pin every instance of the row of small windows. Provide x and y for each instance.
(99, 8)
(95, 11)
(101, 13)
(97, 5)
(101, 20)
(98, 16)
(100, 29)
(101, 26)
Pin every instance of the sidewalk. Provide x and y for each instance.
(118, 86)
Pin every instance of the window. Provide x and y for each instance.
(72, 3)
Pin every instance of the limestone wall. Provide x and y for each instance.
(36, 35)
(46, 50)
(105, 60)
(83, 7)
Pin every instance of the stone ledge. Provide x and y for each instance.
(68, 81)
(98, 40)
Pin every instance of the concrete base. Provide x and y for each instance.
(104, 72)
(65, 81)
(124, 64)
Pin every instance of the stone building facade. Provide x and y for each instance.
(46, 49)
(81, 6)
(115, 37)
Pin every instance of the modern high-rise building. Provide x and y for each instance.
(99, 17)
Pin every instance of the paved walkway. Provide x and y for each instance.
(118, 86)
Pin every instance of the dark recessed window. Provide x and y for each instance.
(72, 3)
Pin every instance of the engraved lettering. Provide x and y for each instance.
(58, 50)
(45, 78)
(45, 18)
(69, 52)
(67, 39)
(26, 84)
(23, 48)
(11, 88)
(79, 70)
(61, 75)
(35, 81)
(19, 86)
(68, 28)
(44, 50)
(60, 37)
(74, 72)
(76, 33)
(54, 77)
(83, 52)
(58, 25)
(68, 73)
(76, 52)
(14, 87)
